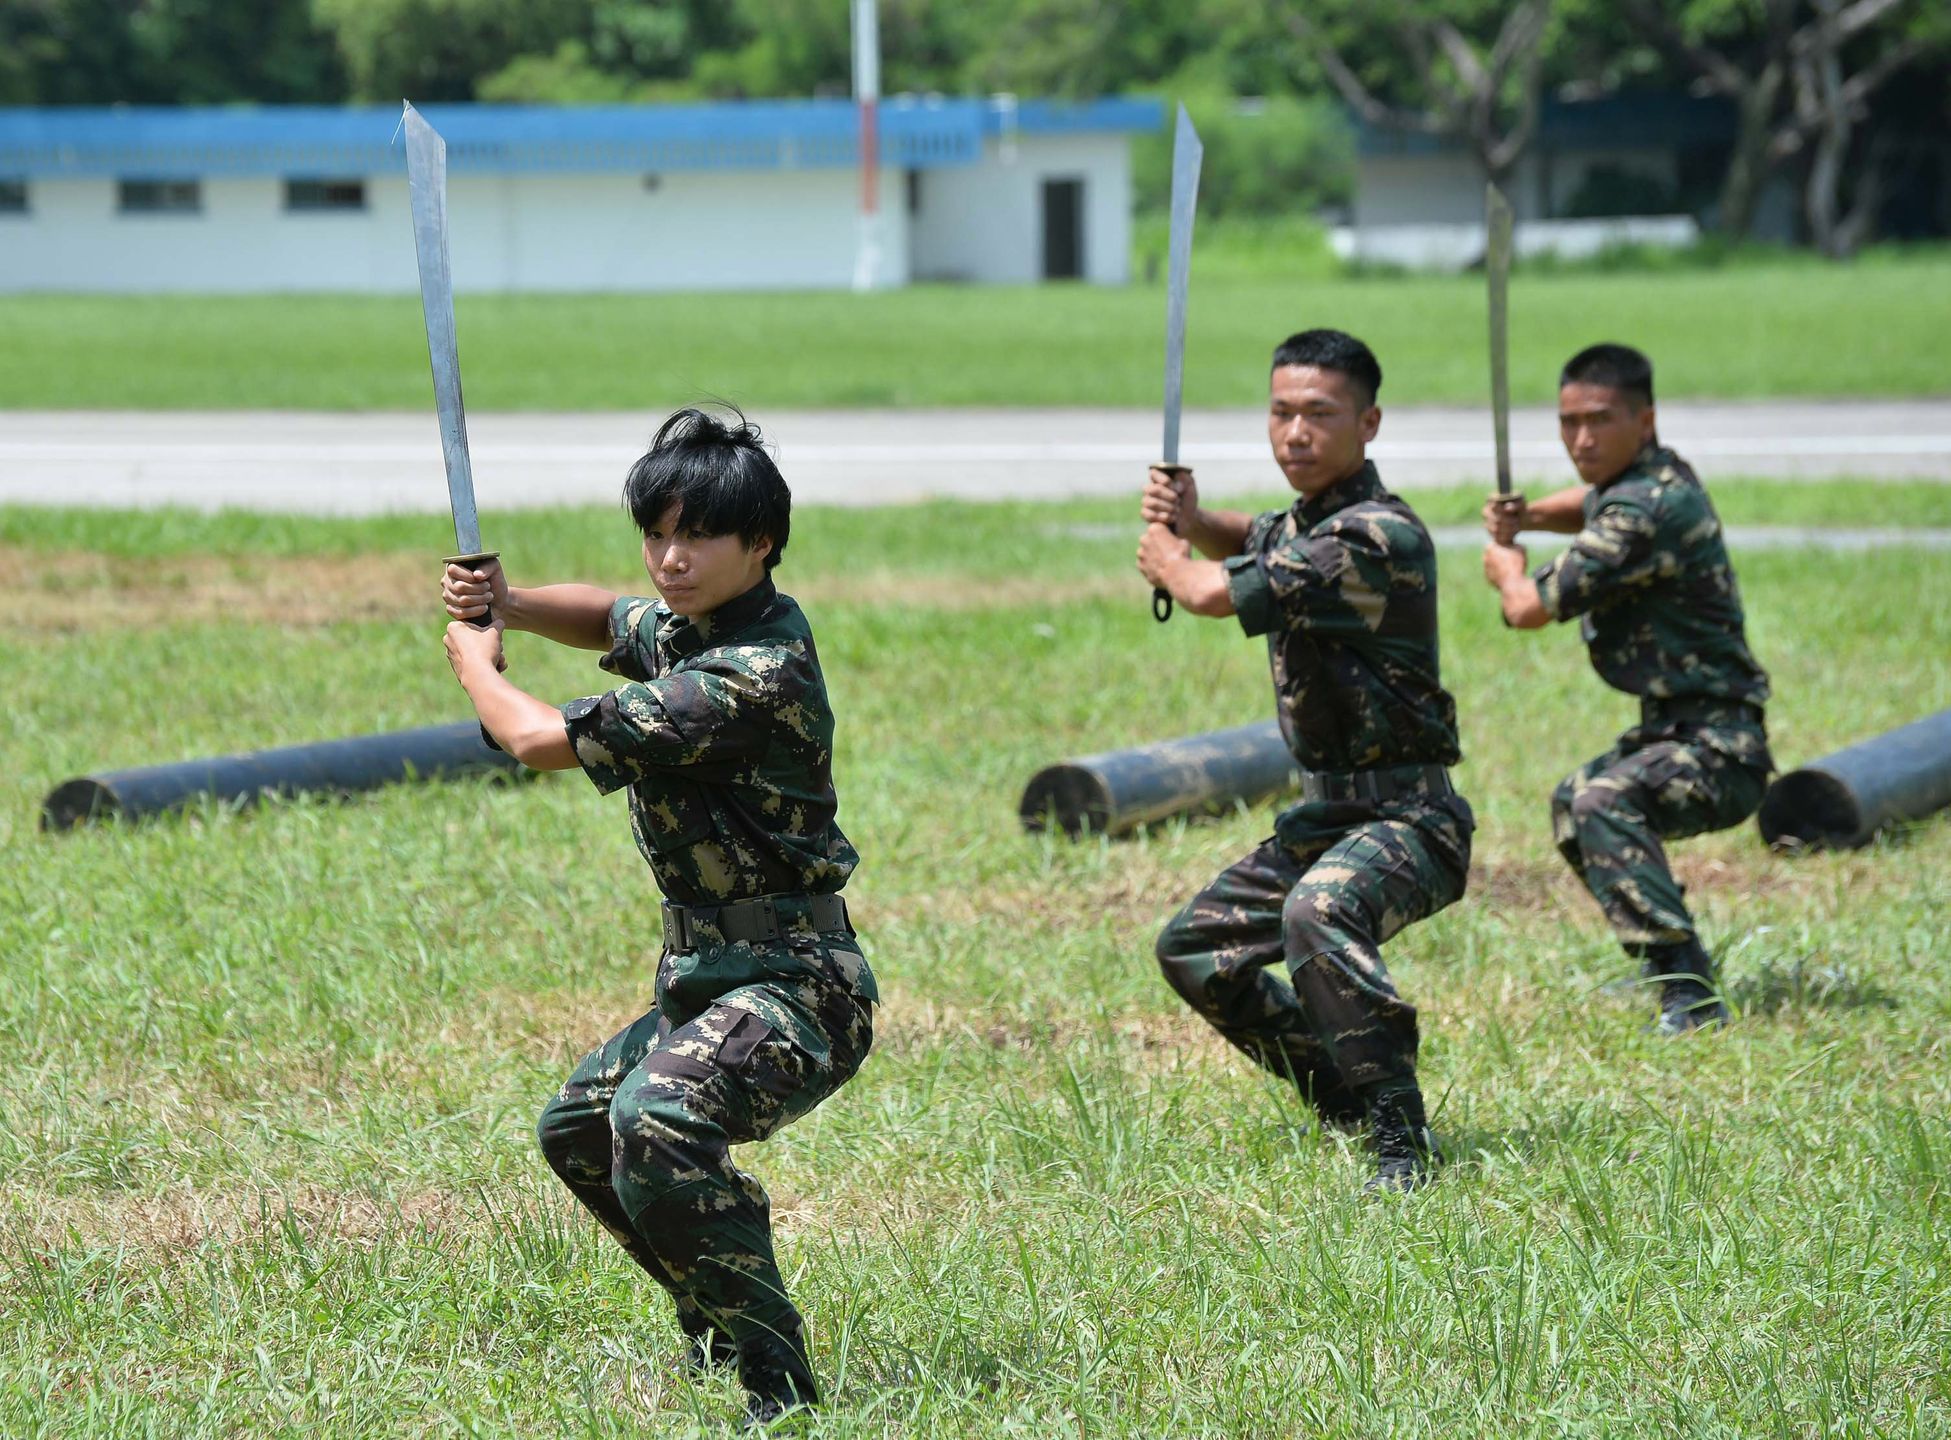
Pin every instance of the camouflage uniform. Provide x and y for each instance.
(1343, 586)
(1661, 613)
(724, 737)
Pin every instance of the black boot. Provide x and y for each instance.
(777, 1378)
(706, 1347)
(1333, 1101)
(1689, 999)
(1406, 1156)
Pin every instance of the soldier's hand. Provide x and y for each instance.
(1171, 498)
(1504, 517)
(1504, 563)
(1157, 549)
(469, 592)
(473, 644)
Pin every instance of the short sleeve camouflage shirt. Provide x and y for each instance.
(1650, 577)
(1343, 586)
(724, 737)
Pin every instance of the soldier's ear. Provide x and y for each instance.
(1371, 422)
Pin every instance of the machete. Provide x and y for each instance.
(1497, 270)
(426, 179)
(1187, 152)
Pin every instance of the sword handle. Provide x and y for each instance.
(482, 621)
(1161, 597)
(486, 617)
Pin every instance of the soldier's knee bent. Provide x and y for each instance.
(661, 1147)
(1561, 798)
(1600, 803)
(1314, 922)
(573, 1146)
(1175, 950)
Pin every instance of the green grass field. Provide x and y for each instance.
(268, 1079)
(1770, 326)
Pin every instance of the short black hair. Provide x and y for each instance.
(719, 474)
(1617, 367)
(1337, 351)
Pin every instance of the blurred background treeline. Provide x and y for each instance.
(1846, 101)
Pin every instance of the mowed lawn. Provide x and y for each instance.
(1760, 327)
(268, 1080)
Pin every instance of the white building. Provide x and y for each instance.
(744, 195)
(1622, 169)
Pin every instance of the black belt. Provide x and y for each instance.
(754, 921)
(1657, 710)
(1385, 782)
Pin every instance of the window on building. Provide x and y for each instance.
(314, 195)
(159, 197)
(13, 197)
(914, 192)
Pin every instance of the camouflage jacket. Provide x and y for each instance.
(1344, 588)
(724, 737)
(1650, 577)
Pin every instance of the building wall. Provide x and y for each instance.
(547, 232)
(791, 229)
(984, 222)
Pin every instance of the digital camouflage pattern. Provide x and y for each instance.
(724, 736)
(1650, 577)
(641, 1132)
(1335, 883)
(1343, 586)
(1663, 780)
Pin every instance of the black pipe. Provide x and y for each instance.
(1843, 799)
(1120, 790)
(339, 767)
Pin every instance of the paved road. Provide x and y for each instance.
(365, 463)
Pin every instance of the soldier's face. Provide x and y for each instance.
(1603, 429)
(695, 573)
(1318, 426)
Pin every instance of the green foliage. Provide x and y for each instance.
(268, 1080)
(1273, 156)
(429, 50)
(191, 52)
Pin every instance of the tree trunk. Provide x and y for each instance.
(1749, 166)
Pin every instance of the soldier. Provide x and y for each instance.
(1649, 576)
(721, 732)
(1343, 585)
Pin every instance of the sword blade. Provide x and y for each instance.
(426, 171)
(1187, 153)
(1497, 269)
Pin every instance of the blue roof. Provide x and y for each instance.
(916, 133)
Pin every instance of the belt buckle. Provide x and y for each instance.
(769, 917)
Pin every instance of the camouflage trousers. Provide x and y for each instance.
(1658, 783)
(1334, 883)
(641, 1132)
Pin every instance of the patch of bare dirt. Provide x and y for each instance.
(69, 591)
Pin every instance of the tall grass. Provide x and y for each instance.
(267, 1079)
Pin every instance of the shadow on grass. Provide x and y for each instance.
(1802, 984)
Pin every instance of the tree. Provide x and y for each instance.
(1800, 73)
(1474, 73)
(106, 52)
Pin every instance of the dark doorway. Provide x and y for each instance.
(1063, 229)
